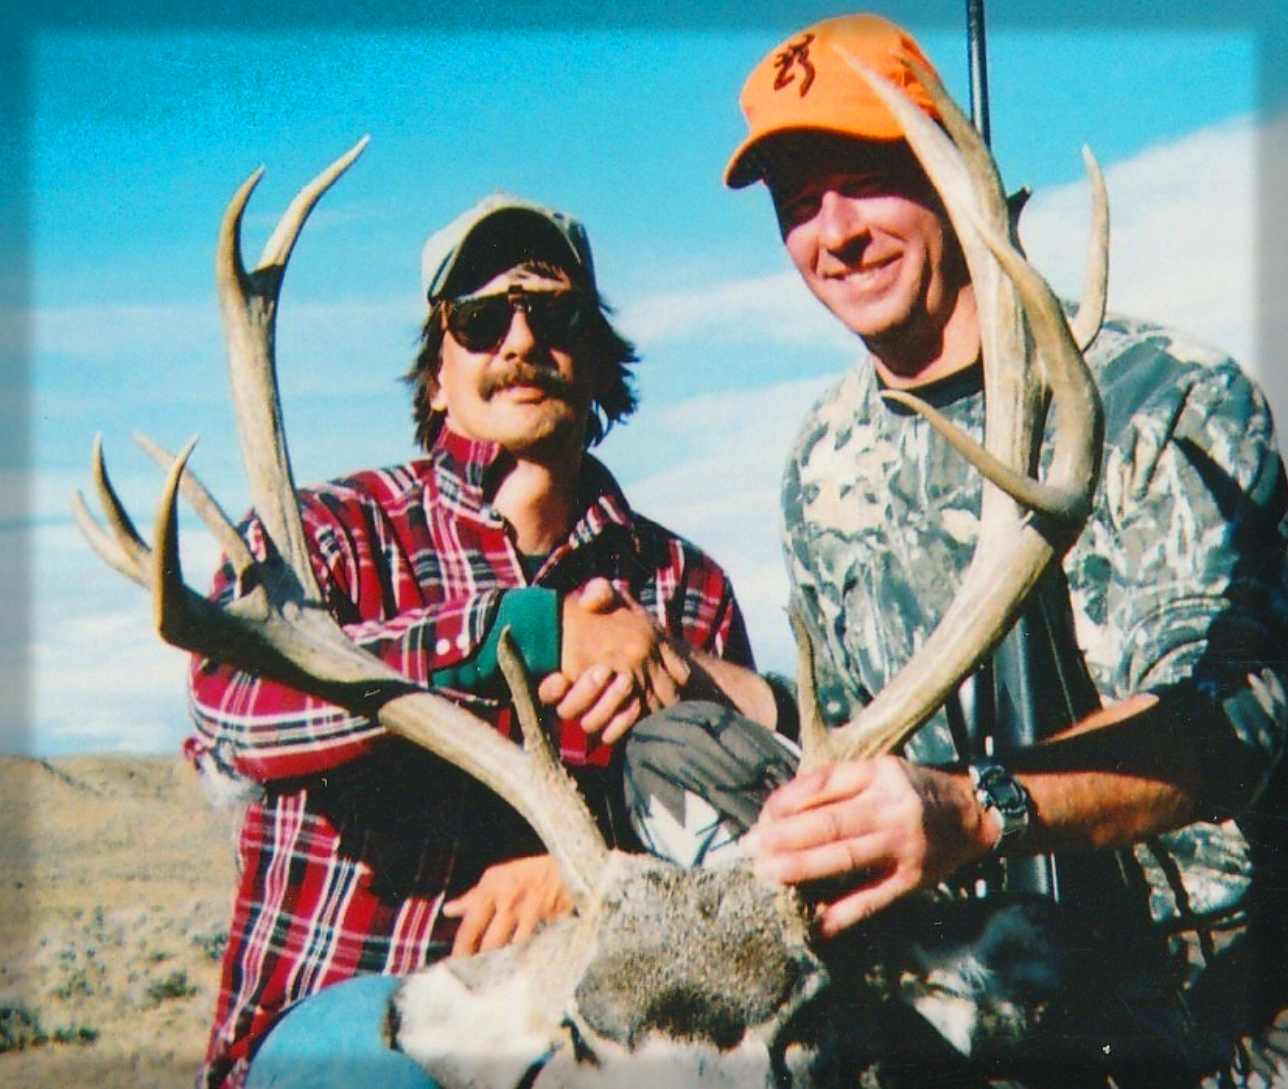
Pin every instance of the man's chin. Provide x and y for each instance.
(869, 318)
(543, 442)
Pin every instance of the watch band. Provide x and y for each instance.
(997, 791)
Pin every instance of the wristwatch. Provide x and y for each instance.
(997, 790)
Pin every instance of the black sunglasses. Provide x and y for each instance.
(558, 319)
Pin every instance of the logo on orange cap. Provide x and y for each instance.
(807, 83)
(792, 55)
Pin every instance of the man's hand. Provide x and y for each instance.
(507, 904)
(617, 663)
(881, 828)
(599, 701)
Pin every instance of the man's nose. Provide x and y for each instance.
(840, 220)
(519, 339)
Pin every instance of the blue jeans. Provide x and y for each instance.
(335, 1038)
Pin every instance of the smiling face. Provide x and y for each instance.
(530, 391)
(868, 236)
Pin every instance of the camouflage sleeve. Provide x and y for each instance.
(1195, 534)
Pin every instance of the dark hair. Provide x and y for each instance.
(606, 349)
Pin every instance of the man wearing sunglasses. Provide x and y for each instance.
(361, 855)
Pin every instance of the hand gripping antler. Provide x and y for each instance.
(277, 626)
(1031, 361)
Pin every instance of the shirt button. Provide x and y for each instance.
(463, 641)
(443, 647)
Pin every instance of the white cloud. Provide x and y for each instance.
(103, 333)
(107, 683)
(97, 675)
(762, 310)
(1184, 239)
(337, 336)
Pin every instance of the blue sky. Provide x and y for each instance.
(133, 129)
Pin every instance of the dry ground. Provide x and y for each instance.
(116, 878)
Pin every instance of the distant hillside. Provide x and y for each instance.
(116, 879)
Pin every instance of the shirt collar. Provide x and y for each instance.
(468, 460)
(603, 502)
(942, 392)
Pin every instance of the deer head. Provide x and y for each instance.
(709, 972)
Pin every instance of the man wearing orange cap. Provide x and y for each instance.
(1178, 588)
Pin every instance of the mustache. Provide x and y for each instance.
(521, 374)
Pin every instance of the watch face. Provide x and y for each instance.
(1007, 794)
(999, 791)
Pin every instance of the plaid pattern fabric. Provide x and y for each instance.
(354, 838)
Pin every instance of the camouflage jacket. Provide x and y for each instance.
(1178, 582)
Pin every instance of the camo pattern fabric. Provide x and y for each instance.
(1178, 582)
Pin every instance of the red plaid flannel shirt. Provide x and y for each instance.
(355, 838)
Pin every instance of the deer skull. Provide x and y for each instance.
(707, 974)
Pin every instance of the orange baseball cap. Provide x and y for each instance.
(806, 83)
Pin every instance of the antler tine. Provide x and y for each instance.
(205, 504)
(1095, 290)
(277, 250)
(122, 549)
(1043, 310)
(517, 680)
(169, 594)
(1012, 299)
(968, 184)
(1057, 503)
(249, 306)
(1075, 461)
(813, 730)
(981, 166)
(573, 836)
(964, 140)
(102, 542)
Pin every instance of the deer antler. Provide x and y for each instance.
(277, 625)
(1030, 359)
